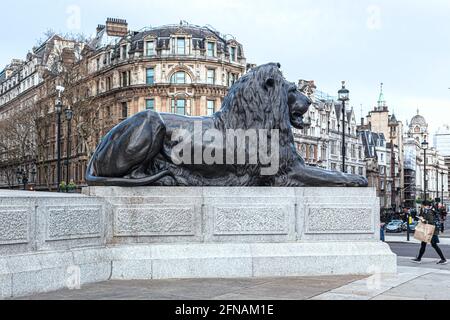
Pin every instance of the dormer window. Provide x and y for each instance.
(233, 53)
(211, 49)
(181, 46)
(124, 52)
(150, 48)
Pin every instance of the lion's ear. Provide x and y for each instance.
(270, 83)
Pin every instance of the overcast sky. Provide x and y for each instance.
(403, 43)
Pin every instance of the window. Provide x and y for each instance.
(211, 77)
(108, 111)
(150, 48)
(150, 104)
(361, 171)
(181, 46)
(179, 78)
(124, 51)
(333, 147)
(179, 106)
(124, 110)
(211, 50)
(333, 167)
(125, 79)
(312, 152)
(108, 83)
(211, 107)
(233, 54)
(98, 64)
(150, 76)
(231, 79)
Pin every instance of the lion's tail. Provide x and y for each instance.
(122, 182)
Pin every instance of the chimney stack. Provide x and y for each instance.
(100, 28)
(116, 27)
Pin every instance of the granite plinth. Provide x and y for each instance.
(50, 241)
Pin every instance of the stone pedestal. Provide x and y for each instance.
(246, 232)
(48, 241)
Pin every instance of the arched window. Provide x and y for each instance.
(180, 77)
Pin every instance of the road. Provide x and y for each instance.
(412, 250)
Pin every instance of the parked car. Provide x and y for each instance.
(395, 226)
(412, 226)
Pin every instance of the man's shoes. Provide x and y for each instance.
(418, 261)
(443, 262)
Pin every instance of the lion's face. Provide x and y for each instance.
(298, 103)
(298, 106)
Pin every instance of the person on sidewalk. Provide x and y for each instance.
(429, 216)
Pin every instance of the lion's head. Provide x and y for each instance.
(263, 99)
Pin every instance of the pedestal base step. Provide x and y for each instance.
(34, 273)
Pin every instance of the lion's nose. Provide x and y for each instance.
(308, 100)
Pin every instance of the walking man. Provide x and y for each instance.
(429, 216)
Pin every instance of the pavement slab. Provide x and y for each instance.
(298, 288)
(412, 282)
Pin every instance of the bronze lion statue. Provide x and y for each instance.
(249, 142)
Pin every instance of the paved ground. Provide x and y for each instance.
(204, 289)
(425, 281)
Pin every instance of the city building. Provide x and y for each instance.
(381, 172)
(183, 69)
(382, 136)
(22, 86)
(432, 178)
(320, 144)
(442, 144)
(442, 141)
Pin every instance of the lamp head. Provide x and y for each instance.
(343, 94)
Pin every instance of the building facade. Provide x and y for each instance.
(431, 180)
(183, 69)
(442, 145)
(320, 143)
(382, 135)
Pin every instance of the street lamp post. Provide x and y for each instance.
(442, 187)
(58, 109)
(343, 95)
(437, 181)
(425, 147)
(69, 115)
